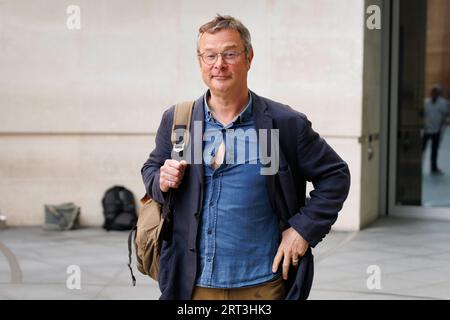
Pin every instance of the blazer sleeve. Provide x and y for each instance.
(162, 152)
(329, 174)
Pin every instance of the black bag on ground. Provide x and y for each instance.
(119, 209)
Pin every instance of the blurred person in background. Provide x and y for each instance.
(435, 112)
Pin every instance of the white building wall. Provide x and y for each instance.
(80, 108)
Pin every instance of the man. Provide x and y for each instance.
(435, 112)
(238, 233)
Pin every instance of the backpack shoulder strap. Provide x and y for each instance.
(181, 123)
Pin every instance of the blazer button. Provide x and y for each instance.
(192, 249)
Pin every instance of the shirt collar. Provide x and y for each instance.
(244, 116)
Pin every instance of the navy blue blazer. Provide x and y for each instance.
(303, 156)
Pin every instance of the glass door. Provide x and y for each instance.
(420, 109)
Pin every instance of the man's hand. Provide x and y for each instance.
(171, 174)
(292, 246)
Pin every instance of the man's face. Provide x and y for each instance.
(222, 77)
(435, 93)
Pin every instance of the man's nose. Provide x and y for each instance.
(220, 62)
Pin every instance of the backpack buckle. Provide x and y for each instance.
(179, 147)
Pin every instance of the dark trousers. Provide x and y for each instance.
(435, 139)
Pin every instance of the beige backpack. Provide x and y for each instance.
(154, 220)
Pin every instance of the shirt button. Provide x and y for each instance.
(209, 231)
(209, 259)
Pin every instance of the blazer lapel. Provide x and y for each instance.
(197, 129)
(263, 120)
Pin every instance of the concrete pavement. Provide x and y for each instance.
(393, 259)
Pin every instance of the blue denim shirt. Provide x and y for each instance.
(238, 234)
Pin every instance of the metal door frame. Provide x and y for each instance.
(393, 209)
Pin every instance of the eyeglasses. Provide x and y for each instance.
(230, 57)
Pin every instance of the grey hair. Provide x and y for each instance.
(226, 22)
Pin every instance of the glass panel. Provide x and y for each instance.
(423, 149)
